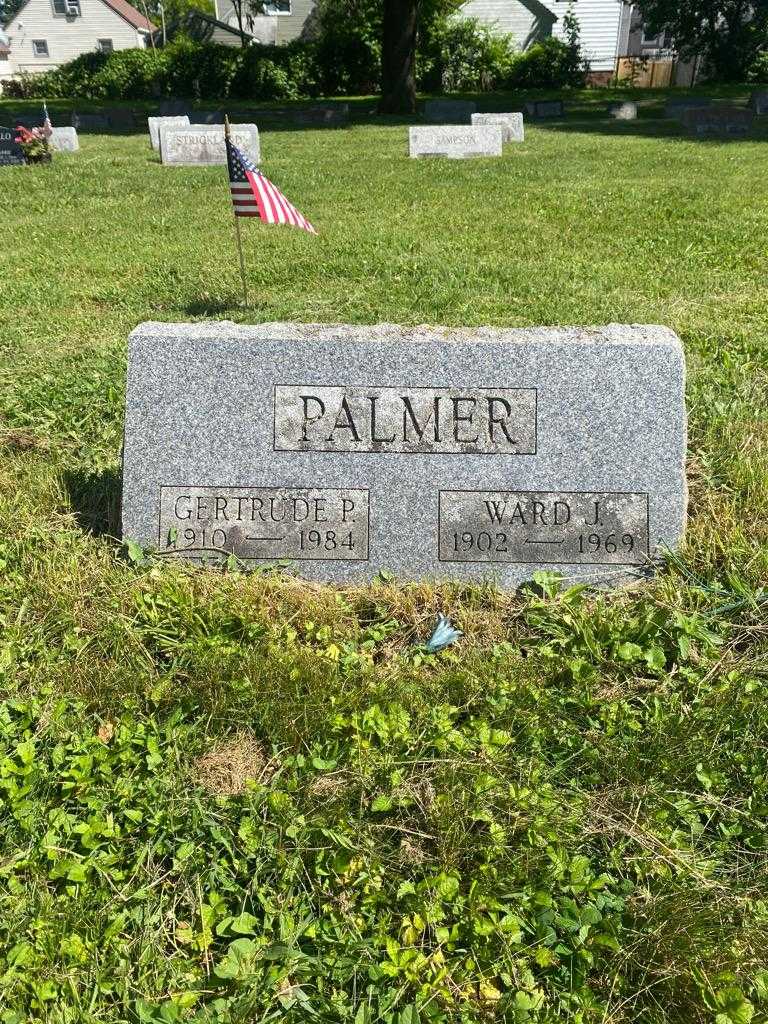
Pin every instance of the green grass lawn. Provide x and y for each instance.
(235, 798)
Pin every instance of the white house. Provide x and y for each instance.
(282, 21)
(46, 33)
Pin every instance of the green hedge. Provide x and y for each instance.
(465, 58)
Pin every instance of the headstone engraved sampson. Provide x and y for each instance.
(431, 452)
(65, 140)
(511, 125)
(449, 111)
(455, 141)
(10, 151)
(203, 144)
(720, 120)
(156, 123)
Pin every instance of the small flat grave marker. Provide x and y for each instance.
(203, 144)
(511, 125)
(721, 120)
(156, 123)
(542, 109)
(676, 108)
(455, 141)
(351, 449)
(90, 122)
(624, 111)
(449, 111)
(10, 151)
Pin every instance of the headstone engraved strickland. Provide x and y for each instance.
(65, 140)
(10, 151)
(202, 144)
(431, 452)
(449, 111)
(511, 125)
(156, 123)
(455, 141)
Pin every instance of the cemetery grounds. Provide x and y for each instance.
(230, 797)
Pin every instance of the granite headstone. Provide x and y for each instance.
(449, 111)
(10, 151)
(90, 122)
(349, 449)
(626, 110)
(511, 125)
(174, 108)
(154, 124)
(676, 108)
(65, 140)
(203, 144)
(455, 141)
(542, 109)
(758, 102)
(721, 120)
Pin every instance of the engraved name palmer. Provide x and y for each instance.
(426, 420)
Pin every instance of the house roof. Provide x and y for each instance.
(194, 13)
(126, 11)
(131, 15)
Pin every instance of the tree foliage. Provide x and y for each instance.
(729, 34)
(8, 9)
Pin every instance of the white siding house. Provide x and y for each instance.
(283, 21)
(604, 24)
(46, 33)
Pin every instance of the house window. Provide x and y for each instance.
(277, 7)
(104, 46)
(40, 47)
(650, 40)
(68, 8)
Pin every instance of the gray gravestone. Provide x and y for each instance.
(174, 108)
(541, 109)
(203, 144)
(511, 125)
(207, 117)
(334, 115)
(676, 108)
(90, 122)
(120, 119)
(65, 140)
(455, 141)
(624, 111)
(758, 102)
(10, 151)
(721, 120)
(156, 123)
(351, 449)
(449, 111)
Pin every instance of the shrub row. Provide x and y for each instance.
(464, 57)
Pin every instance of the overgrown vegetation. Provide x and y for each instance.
(232, 798)
(344, 59)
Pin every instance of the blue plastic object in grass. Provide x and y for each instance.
(443, 636)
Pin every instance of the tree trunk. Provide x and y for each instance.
(398, 57)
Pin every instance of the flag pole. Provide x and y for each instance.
(237, 230)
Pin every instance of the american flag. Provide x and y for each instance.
(254, 195)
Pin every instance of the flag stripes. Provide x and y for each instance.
(254, 195)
